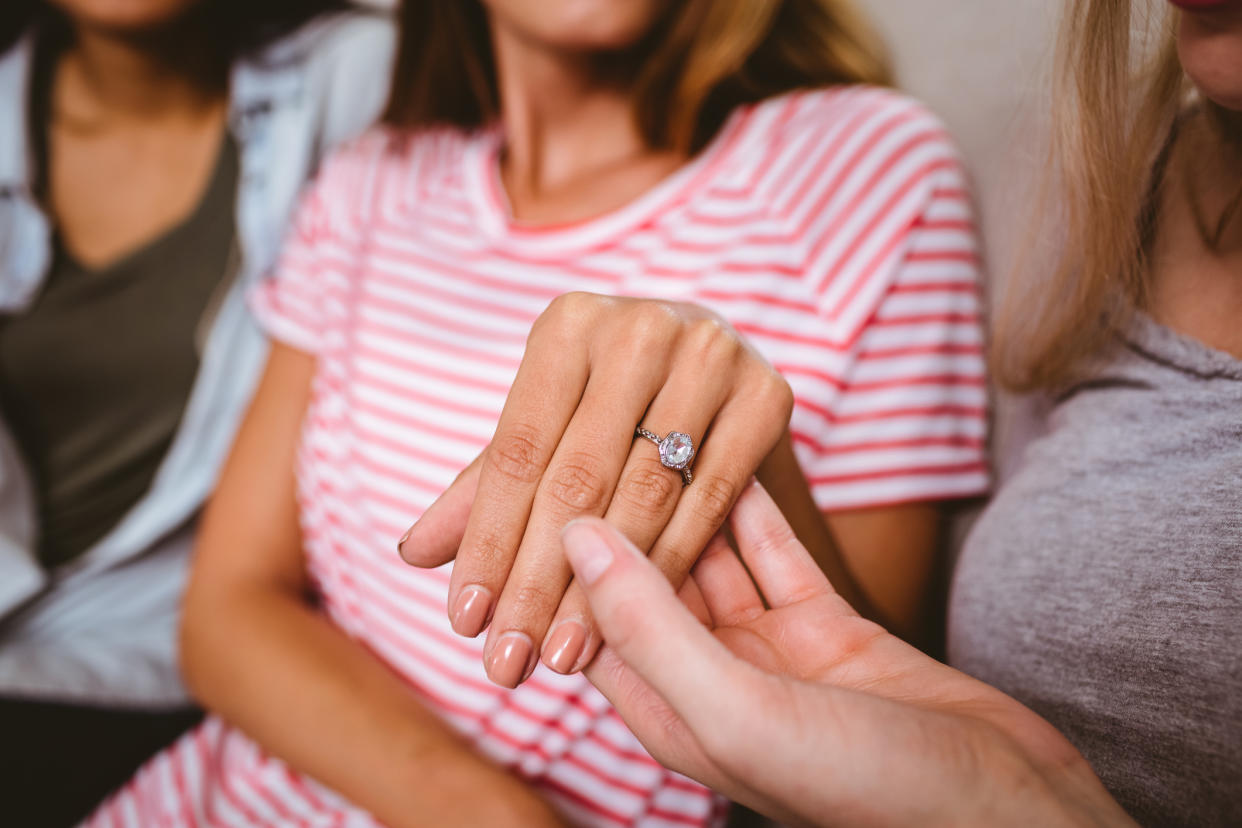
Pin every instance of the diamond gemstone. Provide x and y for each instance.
(676, 450)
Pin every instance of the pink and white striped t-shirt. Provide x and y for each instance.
(831, 227)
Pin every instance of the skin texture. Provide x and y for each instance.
(125, 17)
(1209, 45)
(136, 126)
(564, 446)
(1193, 288)
(781, 696)
(255, 650)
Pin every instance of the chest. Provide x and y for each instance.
(429, 322)
(1107, 574)
(111, 191)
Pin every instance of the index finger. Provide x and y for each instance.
(544, 395)
(779, 563)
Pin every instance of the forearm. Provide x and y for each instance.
(268, 663)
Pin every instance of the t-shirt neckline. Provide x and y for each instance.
(1185, 353)
(495, 218)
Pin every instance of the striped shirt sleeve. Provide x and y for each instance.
(288, 303)
(309, 285)
(905, 419)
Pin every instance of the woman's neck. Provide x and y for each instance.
(559, 120)
(1196, 255)
(572, 148)
(113, 78)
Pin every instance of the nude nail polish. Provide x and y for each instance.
(471, 611)
(511, 659)
(564, 646)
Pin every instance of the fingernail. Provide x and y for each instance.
(588, 550)
(510, 661)
(404, 538)
(471, 611)
(564, 646)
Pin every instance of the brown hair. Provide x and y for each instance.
(1118, 92)
(706, 58)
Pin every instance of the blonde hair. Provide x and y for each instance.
(1118, 91)
(702, 60)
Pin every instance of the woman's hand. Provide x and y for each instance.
(595, 368)
(796, 706)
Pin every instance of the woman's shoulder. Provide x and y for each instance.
(14, 69)
(864, 125)
(327, 80)
(386, 163)
(348, 41)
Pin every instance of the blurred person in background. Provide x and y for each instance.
(151, 153)
(692, 216)
(1103, 586)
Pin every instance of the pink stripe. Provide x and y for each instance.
(914, 471)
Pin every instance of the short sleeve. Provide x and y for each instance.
(294, 304)
(897, 411)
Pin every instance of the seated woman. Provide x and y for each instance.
(1103, 587)
(151, 154)
(705, 153)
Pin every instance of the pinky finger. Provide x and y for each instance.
(436, 536)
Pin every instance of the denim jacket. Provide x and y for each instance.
(102, 628)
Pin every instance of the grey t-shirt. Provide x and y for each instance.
(1103, 585)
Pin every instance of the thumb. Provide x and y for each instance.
(645, 624)
(434, 538)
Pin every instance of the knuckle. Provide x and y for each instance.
(650, 323)
(777, 391)
(486, 555)
(569, 304)
(713, 340)
(713, 500)
(711, 329)
(517, 455)
(650, 488)
(527, 600)
(577, 485)
(775, 538)
(565, 316)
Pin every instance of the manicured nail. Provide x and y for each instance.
(511, 660)
(564, 646)
(588, 549)
(471, 611)
(404, 538)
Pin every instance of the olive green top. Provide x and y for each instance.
(95, 374)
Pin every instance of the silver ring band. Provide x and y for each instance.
(677, 451)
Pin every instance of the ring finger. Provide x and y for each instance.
(644, 498)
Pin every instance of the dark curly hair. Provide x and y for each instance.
(237, 26)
